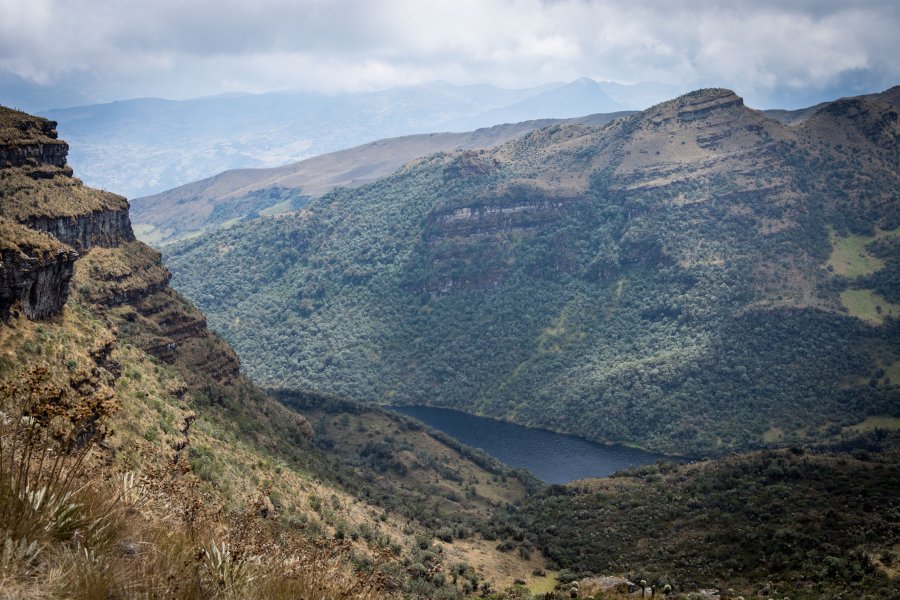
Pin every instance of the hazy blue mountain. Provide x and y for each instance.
(144, 146)
(581, 97)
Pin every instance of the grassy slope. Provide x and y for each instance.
(242, 451)
(179, 476)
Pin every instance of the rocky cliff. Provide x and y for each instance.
(35, 270)
(30, 143)
(58, 233)
(37, 188)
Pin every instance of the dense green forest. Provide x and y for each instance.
(769, 524)
(695, 278)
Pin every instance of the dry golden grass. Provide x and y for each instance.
(60, 196)
(18, 238)
(113, 275)
(77, 522)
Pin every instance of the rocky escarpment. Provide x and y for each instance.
(104, 228)
(700, 104)
(37, 188)
(29, 142)
(57, 231)
(126, 274)
(34, 272)
(48, 216)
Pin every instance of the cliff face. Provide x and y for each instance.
(30, 142)
(35, 271)
(37, 187)
(58, 232)
(103, 228)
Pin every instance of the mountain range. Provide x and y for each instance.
(144, 146)
(231, 196)
(698, 277)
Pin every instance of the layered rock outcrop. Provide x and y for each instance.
(27, 141)
(34, 272)
(102, 228)
(48, 217)
(59, 234)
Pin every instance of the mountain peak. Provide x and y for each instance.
(701, 102)
(695, 105)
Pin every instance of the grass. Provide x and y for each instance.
(18, 238)
(276, 209)
(869, 306)
(126, 519)
(876, 422)
(893, 371)
(111, 275)
(150, 234)
(850, 258)
(773, 435)
(542, 584)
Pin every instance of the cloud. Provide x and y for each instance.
(182, 48)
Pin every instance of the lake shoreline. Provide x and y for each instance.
(552, 456)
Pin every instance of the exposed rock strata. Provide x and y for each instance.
(40, 284)
(105, 229)
(35, 270)
(27, 141)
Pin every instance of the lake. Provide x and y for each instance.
(552, 457)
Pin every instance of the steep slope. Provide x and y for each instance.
(246, 193)
(138, 462)
(662, 279)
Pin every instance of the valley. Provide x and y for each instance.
(684, 279)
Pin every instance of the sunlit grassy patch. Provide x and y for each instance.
(868, 306)
(773, 435)
(876, 422)
(850, 258)
(543, 584)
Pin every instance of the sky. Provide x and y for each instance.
(775, 53)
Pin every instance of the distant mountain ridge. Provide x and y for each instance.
(235, 195)
(144, 146)
(696, 277)
(231, 196)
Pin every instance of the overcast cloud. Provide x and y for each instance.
(770, 52)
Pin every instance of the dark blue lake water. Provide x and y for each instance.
(552, 457)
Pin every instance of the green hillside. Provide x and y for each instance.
(673, 279)
(779, 524)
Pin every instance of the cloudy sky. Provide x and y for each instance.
(785, 52)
